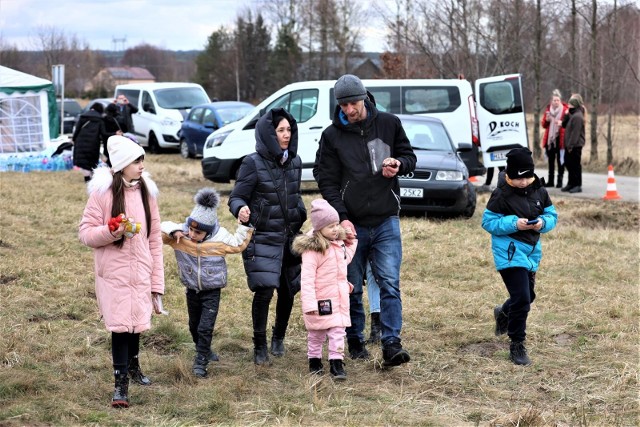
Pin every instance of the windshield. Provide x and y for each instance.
(181, 98)
(71, 107)
(426, 135)
(232, 114)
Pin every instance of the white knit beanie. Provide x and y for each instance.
(122, 152)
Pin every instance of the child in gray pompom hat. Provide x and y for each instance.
(200, 245)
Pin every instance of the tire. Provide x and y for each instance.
(471, 202)
(184, 149)
(154, 147)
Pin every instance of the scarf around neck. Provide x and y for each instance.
(553, 125)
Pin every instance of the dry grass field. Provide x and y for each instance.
(55, 362)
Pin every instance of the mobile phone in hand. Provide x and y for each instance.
(532, 221)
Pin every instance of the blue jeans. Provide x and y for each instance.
(373, 291)
(382, 247)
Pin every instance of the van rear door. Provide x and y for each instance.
(501, 119)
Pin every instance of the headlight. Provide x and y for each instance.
(166, 121)
(449, 176)
(217, 140)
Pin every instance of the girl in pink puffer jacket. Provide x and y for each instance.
(129, 270)
(326, 251)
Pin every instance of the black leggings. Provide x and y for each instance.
(260, 312)
(124, 346)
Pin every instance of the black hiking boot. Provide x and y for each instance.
(357, 349)
(337, 370)
(135, 373)
(277, 346)
(315, 366)
(260, 354)
(376, 331)
(518, 353)
(502, 320)
(394, 355)
(200, 366)
(120, 397)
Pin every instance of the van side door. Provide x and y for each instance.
(145, 117)
(501, 118)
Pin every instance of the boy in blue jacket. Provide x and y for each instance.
(518, 210)
(200, 245)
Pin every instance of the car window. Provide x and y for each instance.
(432, 99)
(209, 117)
(133, 95)
(301, 104)
(195, 115)
(501, 97)
(232, 114)
(426, 135)
(147, 101)
(180, 97)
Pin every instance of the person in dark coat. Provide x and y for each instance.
(574, 141)
(126, 110)
(90, 132)
(112, 124)
(267, 196)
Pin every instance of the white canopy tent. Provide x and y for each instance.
(27, 112)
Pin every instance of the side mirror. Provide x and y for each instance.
(148, 108)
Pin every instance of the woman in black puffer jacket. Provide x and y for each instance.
(87, 137)
(267, 195)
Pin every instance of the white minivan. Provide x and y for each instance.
(312, 103)
(162, 108)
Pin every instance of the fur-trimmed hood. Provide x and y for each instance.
(103, 178)
(312, 241)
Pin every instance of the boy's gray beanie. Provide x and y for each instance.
(349, 88)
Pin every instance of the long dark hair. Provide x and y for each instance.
(118, 207)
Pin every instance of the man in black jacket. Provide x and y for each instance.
(357, 165)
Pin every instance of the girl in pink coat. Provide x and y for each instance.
(326, 251)
(128, 265)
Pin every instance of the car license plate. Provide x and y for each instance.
(411, 192)
(500, 155)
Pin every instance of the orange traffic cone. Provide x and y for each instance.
(612, 192)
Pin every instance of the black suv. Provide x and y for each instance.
(71, 112)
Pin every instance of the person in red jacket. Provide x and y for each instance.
(553, 139)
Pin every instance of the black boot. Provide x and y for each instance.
(518, 353)
(200, 366)
(277, 346)
(315, 366)
(559, 182)
(337, 370)
(357, 349)
(393, 354)
(260, 354)
(136, 373)
(120, 397)
(549, 183)
(376, 332)
(502, 320)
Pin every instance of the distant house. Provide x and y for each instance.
(108, 78)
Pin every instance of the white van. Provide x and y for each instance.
(162, 108)
(312, 103)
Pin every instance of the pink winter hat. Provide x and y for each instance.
(322, 214)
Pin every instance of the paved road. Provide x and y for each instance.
(594, 186)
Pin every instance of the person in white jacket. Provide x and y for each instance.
(200, 245)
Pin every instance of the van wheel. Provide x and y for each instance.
(184, 149)
(471, 201)
(154, 147)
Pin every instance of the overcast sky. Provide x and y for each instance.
(169, 24)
